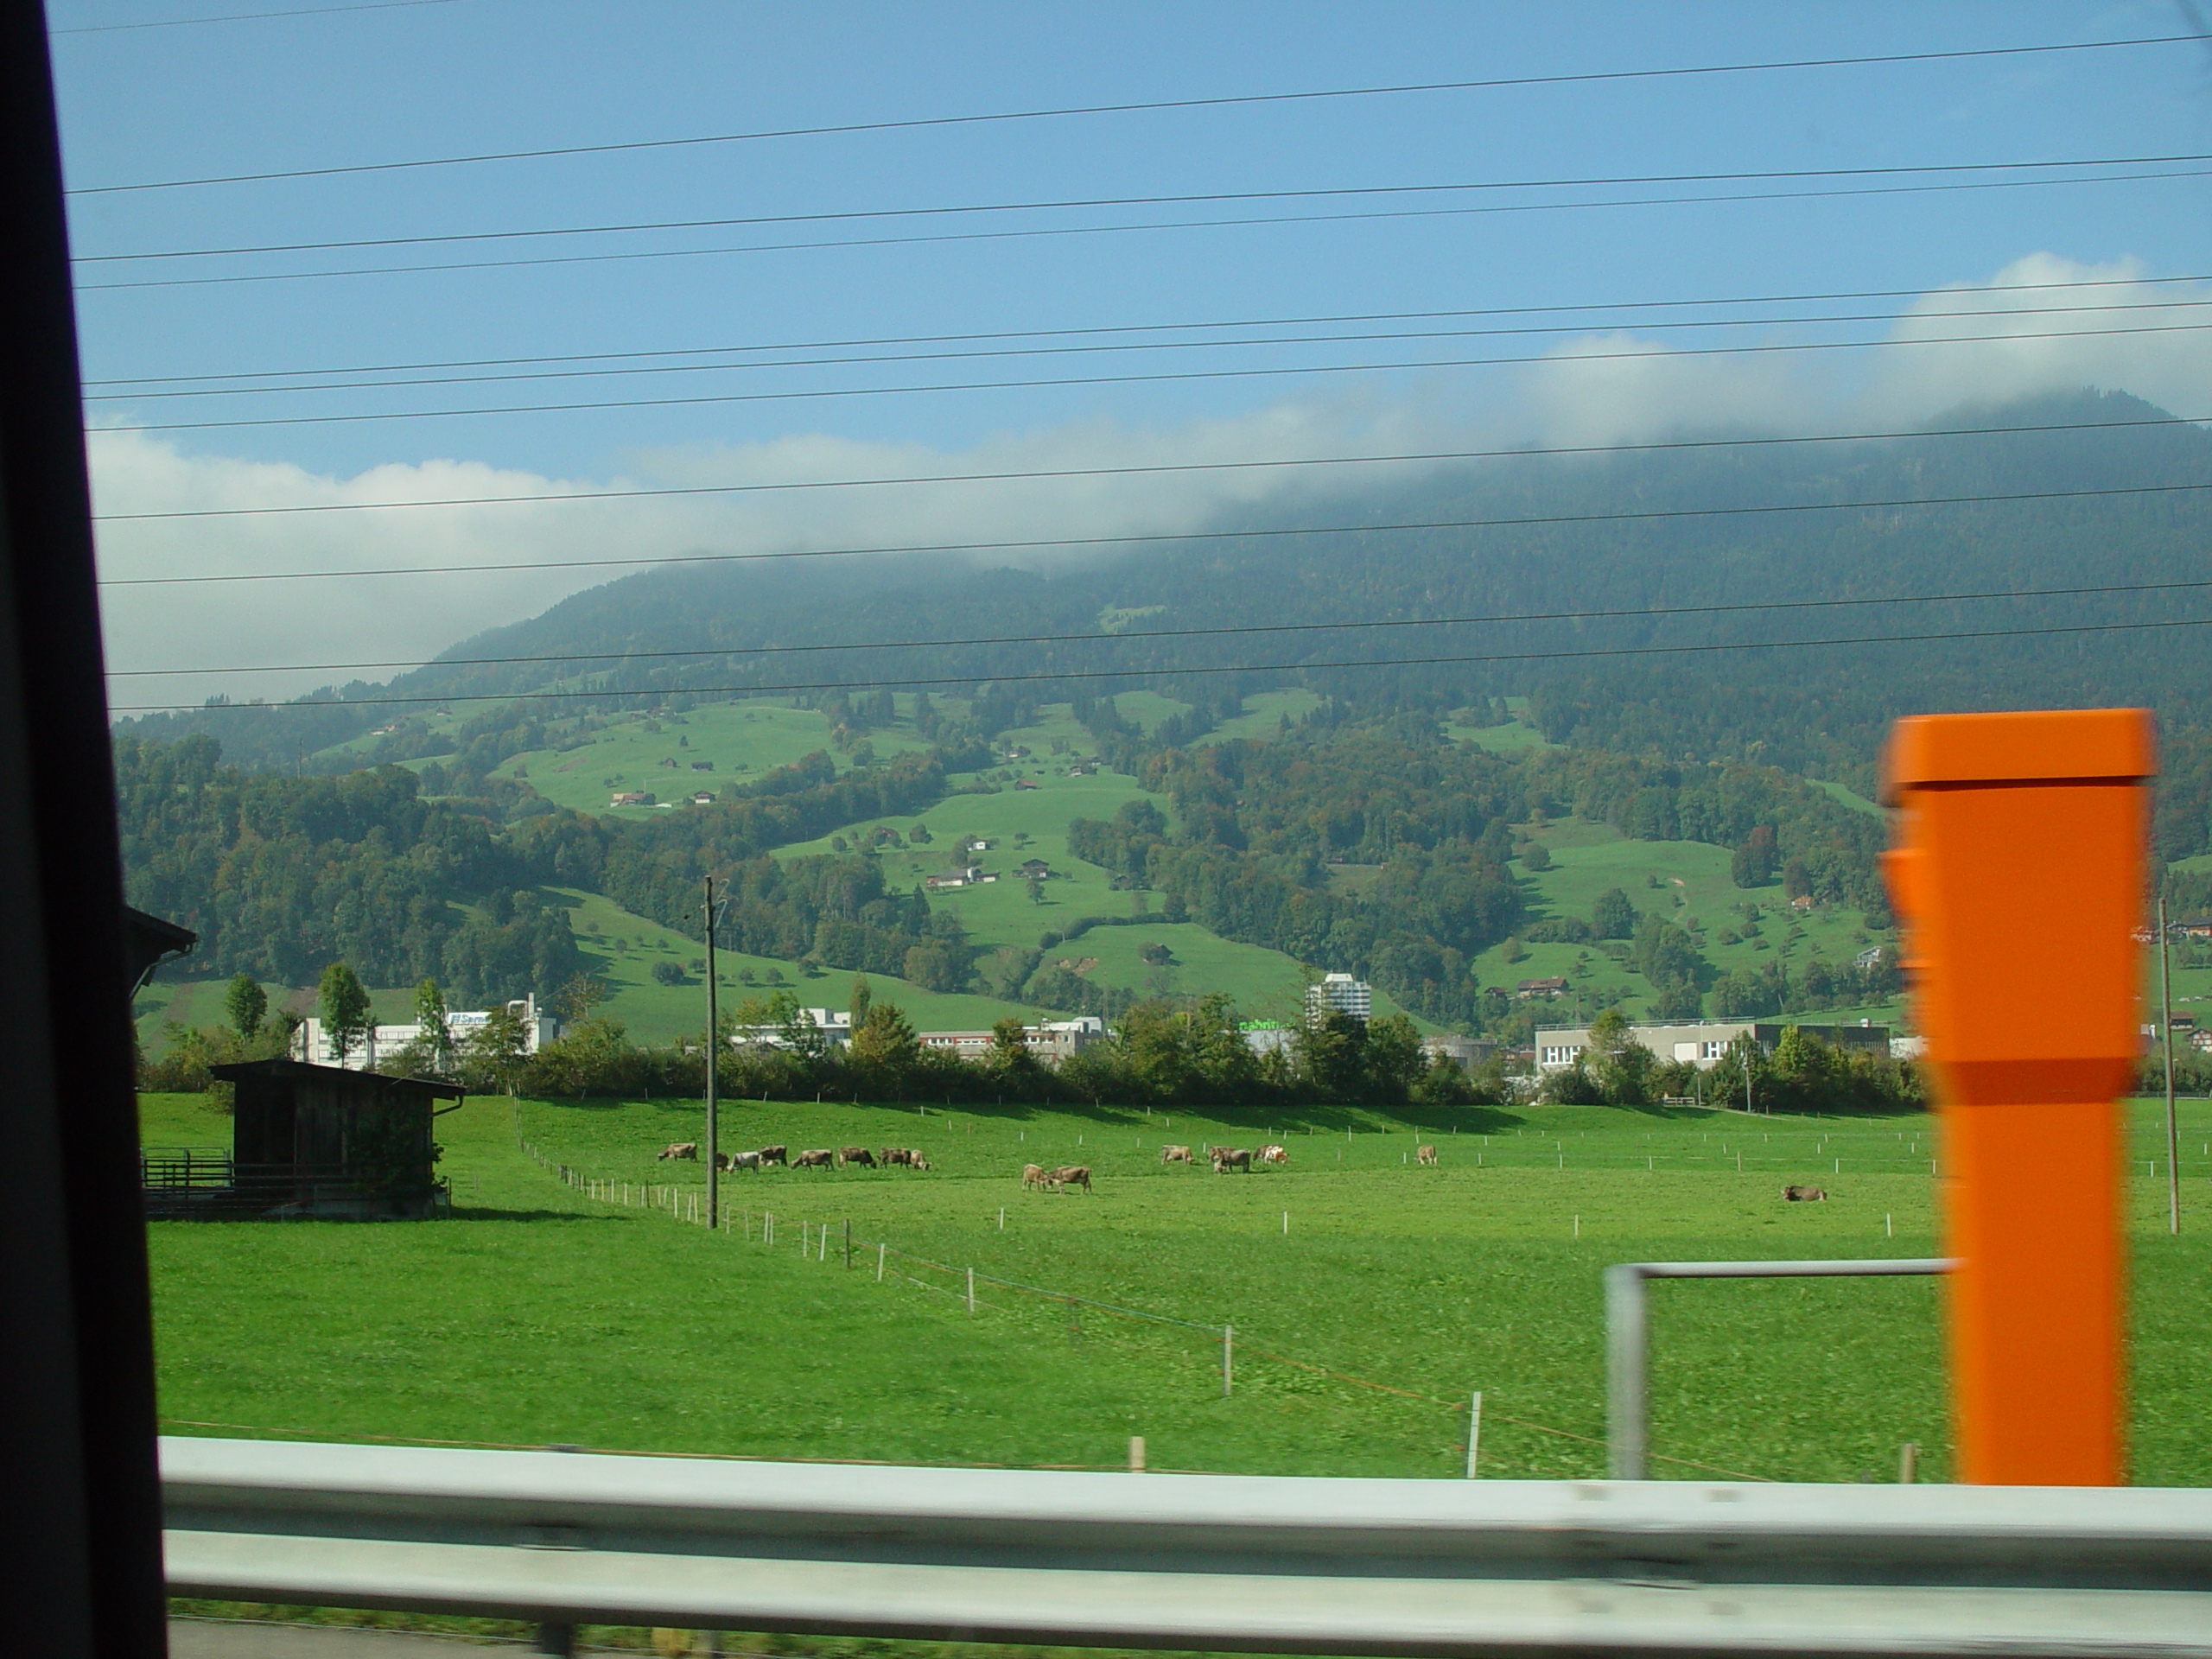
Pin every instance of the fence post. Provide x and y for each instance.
(971, 1292)
(1474, 1430)
(879, 1262)
(1227, 1357)
(849, 1244)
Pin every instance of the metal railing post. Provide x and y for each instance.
(1624, 1367)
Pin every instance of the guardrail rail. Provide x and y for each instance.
(1254, 1563)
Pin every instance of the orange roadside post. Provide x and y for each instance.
(2016, 874)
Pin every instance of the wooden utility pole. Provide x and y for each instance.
(713, 1043)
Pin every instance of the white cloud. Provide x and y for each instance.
(1613, 388)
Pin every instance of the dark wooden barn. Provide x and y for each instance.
(320, 1140)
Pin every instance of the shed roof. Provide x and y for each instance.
(285, 1071)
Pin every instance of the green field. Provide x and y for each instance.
(1694, 891)
(738, 740)
(541, 1314)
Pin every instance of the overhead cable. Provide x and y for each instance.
(249, 17)
(1530, 521)
(1162, 376)
(1150, 468)
(1946, 291)
(1151, 105)
(1493, 618)
(1062, 676)
(1186, 200)
(1089, 348)
(1035, 232)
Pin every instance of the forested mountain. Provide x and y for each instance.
(1594, 554)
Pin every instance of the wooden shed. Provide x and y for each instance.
(320, 1139)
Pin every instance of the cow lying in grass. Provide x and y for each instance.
(678, 1150)
(1804, 1194)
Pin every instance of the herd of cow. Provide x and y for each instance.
(812, 1158)
(1225, 1158)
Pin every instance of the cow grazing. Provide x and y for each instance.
(737, 1160)
(906, 1155)
(1226, 1159)
(1033, 1175)
(1274, 1155)
(1804, 1194)
(1175, 1154)
(1425, 1155)
(855, 1155)
(772, 1155)
(678, 1150)
(817, 1158)
(1068, 1175)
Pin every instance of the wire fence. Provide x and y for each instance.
(818, 1241)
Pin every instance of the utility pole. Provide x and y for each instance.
(2166, 1027)
(714, 1042)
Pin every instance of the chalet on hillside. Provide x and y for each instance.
(1528, 987)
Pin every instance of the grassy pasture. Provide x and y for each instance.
(740, 740)
(541, 1315)
(1694, 885)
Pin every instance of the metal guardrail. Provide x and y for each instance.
(1628, 1340)
(1253, 1563)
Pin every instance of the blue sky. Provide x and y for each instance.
(406, 82)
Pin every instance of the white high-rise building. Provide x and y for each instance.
(1340, 993)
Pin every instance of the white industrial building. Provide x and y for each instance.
(1704, 1044)
(312, 1044)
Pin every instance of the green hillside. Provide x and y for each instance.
(1684, 882)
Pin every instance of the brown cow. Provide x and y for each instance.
(1226, 1159)
(1275, 1155)
(1033, 1175)
(1804, 1194)
(678, 1150)
(772, 1155)
(1424, 1154)
(1175, 1154)
(1069, 1175)
(906, 1155)
(855, 1155)
(818, 1158)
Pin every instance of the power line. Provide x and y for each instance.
(1089, 348)
(1343, 530)
(1496, 83)
(1156, 377)
(249, 17)
(1190, 199)
(1177, 673)
(1167, 468)
(1032, 232)
(1163, 327)
(2106, 589)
